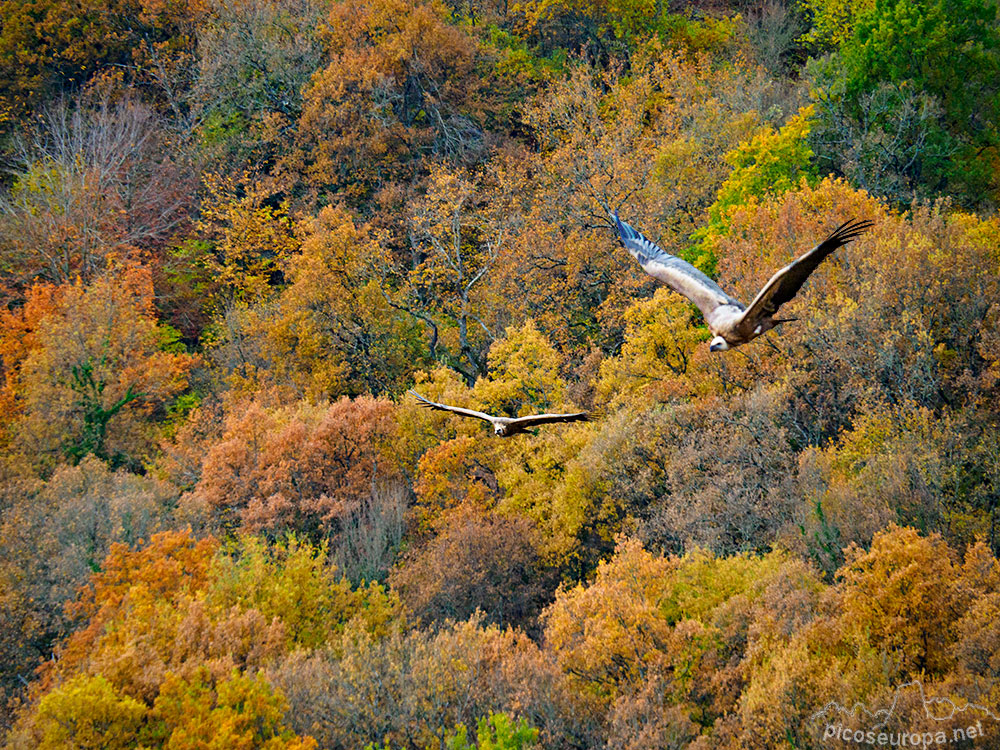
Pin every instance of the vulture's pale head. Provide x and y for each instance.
(718, 344)
(500, 430)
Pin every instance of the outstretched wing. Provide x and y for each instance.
(537, 419)
(678, 274)
(456, 409)
(787, 282)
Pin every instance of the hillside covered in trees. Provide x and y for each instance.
(235, 233)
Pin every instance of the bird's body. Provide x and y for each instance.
(505, 426)
(730, 322)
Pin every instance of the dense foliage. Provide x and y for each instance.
(234, 233)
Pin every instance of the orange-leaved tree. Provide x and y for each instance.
(101, 370)
(174, 636)
(300, 467)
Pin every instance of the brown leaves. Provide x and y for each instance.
(304, 468)
(413, 687)
(479, 561)
(92, 186)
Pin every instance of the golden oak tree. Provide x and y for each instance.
(398, 80)
(249, 239)
(336, 332)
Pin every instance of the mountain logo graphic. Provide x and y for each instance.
(939, 709)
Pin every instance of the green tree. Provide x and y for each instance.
(496, 732)
(771, 163)
(915, 90)
(98, 376)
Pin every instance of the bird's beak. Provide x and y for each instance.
(714, 348)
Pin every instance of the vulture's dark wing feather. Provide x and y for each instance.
(678, 274)
(536, 419)
(784, 285)
(456, 409)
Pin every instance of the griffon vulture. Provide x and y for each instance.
(505, 426)
(730, 323)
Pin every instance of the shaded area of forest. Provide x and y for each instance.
(234, 233)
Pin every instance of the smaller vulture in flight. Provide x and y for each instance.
(729, 321)
(505, 426)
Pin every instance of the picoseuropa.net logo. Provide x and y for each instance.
(942, 722)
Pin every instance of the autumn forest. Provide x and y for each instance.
(234, 234)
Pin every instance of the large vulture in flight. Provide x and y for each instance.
(730, 323)
(505, 426)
